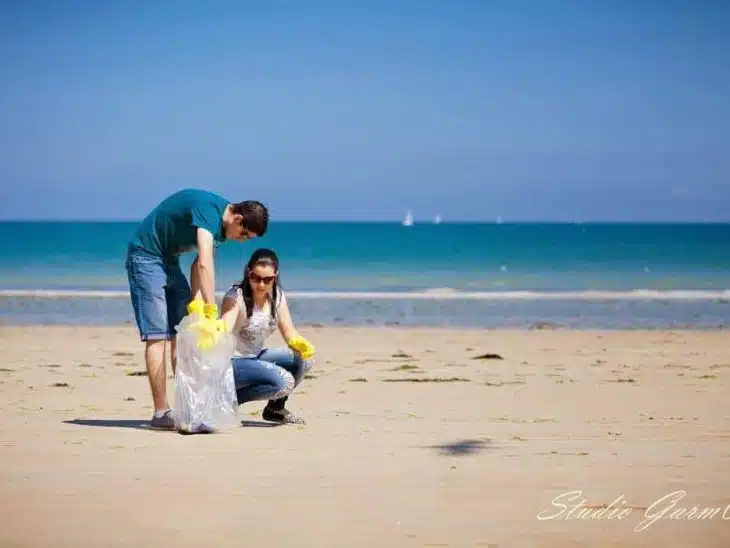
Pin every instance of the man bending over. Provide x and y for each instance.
(187, 220)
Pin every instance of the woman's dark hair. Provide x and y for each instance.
(260, 257)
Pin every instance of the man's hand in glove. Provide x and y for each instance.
(208, 325)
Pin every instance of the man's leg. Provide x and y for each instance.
(154, 356)
(177, 295)
(147, 282)
(173, 354)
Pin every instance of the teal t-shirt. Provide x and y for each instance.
(171, 228)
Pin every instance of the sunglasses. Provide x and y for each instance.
(255, 278)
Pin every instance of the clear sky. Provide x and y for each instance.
(362, 109)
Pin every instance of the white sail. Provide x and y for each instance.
(408, 219)
(437, 220)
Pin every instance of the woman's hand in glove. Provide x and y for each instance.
(301, 345)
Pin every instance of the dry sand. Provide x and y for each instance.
(471, 460)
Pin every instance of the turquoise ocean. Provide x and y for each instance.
(451, 274)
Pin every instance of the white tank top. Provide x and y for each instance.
(251, 333)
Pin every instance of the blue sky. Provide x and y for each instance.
(532, 110)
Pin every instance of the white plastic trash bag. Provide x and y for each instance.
(205, 391)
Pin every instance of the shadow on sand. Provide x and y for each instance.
(145, 424)
(463, 447)
(259, 424)
(114, 423)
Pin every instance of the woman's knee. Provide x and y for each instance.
(289, 360)
(300, 367)
(284, 383)
(306, 365)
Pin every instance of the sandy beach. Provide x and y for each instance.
(412, 440)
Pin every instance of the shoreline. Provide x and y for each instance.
(431, 293)
(487, 313)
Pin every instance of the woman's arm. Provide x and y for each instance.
(292, 337)
(286, 324)
(229, 312)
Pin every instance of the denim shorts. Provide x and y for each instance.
(160, 294)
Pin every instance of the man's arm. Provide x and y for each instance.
(205, 268)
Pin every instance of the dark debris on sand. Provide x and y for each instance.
(489, 356)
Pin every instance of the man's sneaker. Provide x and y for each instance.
(165, 422)
(282, 416)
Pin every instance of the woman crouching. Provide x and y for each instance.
(252, 310)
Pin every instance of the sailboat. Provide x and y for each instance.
(437, 220)
(408, 220)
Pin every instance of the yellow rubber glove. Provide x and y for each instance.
(209, 332)
(210, 311)
(196, 306)
(301, 345)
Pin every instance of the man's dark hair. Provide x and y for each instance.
(255, 216)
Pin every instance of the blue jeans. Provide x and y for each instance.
(160, 294)
(272, 375)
